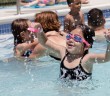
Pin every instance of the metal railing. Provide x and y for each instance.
(18, 7)
(4, 3)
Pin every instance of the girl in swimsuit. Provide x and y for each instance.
(24, 41)
(76, 61)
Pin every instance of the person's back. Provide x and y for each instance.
(74, 17)
(97, 22)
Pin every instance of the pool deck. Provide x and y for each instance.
(9, 13)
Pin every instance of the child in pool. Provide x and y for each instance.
(75, 16)
(24, 41)
(76, 62)
(97, 22)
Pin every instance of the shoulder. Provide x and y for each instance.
(50, 33)
(21, 46)
(90, 55)
(90, 58)
(68, 16)
(81, 13)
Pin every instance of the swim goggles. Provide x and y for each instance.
(32, 29)
(77, 38)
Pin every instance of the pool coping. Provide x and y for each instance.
(61, 11)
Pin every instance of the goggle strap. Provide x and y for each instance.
(87, 44)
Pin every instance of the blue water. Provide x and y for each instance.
(41, 77)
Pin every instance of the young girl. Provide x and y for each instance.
(24, 42)
(76, 62)
(74, 17)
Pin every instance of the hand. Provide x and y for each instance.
(38, 27)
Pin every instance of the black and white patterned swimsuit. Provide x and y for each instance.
(77, 73)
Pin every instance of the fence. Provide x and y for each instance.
(7, 2)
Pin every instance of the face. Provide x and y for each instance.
(76, 6)
(73, 46)
(27, 35)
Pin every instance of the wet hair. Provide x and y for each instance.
(88, 34)
(18, 26)
(70, 1)
(49, 21)
(95, 18)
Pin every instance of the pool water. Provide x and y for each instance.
(41, 77)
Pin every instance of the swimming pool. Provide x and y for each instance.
(5, 28)
(41, 77)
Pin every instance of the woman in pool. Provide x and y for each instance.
(97, 22)
(76, 62)
(51, 26)
(24, 41)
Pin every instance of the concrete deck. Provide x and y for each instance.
(8, 13)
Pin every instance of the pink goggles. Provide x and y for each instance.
(32, 29)
(77, 38)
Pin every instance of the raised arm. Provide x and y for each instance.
(102, 58)
(42, 38)
(47, 43)
(107, 36)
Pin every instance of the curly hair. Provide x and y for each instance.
(49, 21)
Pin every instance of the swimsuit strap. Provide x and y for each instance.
(65, 55)
(81, 60)
(56, 58)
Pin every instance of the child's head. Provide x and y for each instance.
(81, 38)
(75, 5)
(95, 18)
(19, 30)
(48, 20)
